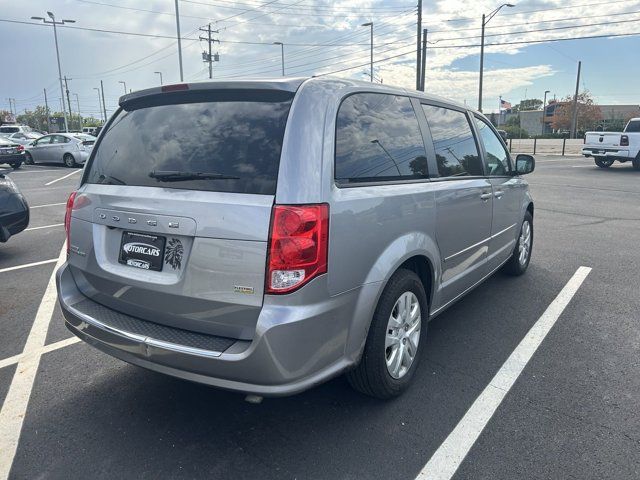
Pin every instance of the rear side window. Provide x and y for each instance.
(633, 126)
(378, 139)
(456, 149)
(232, 139)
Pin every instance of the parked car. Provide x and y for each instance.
(607, 147)
(11, 153)
(23, 138)
(265, 236)
(72, 149)
(12, 128)
(89, 130)
(14, 210)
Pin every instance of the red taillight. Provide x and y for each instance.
(67, 216)
(624, 141)
(298, 244)
(20, 148)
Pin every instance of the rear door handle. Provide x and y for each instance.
(485, 196)
(498, 194)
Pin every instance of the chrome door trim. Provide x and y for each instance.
(480, 242)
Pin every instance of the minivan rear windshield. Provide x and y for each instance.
(218, 141)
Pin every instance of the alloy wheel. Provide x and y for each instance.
(403, 335)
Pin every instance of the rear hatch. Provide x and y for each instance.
(172, 220)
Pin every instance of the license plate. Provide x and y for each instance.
(7, 151)
(141, 250)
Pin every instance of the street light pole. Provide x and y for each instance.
(125, 86)
(486, 19)
(281, 54)
(544, 109)
(370, 24)
(99, 104)
(55, 36)
(159, 73)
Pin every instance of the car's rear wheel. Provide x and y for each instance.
(16, 165)
(521, 256)
(636, 162)
(69, 161)
(28, 159)
(604, 162)
(395, 339)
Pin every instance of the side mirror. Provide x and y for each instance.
(525, 164)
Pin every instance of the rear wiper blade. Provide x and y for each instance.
(178, 176)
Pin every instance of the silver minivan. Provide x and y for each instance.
(265, 236)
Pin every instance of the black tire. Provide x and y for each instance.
(372, 376)
(604, 162)
(514, 266)
(636, 162)
(16, 165)
(69, 161)
(28, 159)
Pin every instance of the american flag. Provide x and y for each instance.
(504, 105)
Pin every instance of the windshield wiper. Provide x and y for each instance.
(109, 180)
(179, 176)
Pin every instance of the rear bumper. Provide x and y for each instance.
(295, 347)
(616, 153)
(17, 218)
(10, 159)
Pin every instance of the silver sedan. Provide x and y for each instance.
(71, 149)
(23, 138)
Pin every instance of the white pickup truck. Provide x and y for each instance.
(607, 147)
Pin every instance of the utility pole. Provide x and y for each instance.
(46, 109)
(574, 120)
(55, 36)
(370, 25)
(66, 86)
(179, 41)
(544, 109)
(419, 31)
(423, 63)
(79, 114)
(209, 58)
(104, 105)
(99, 104)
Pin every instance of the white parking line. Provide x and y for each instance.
(62, 178)
(445, 461)
(41, 351)
(32, 171)
(27, 265)
(48, 205)
(44, 226)
(15, 403)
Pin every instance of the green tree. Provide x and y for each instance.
(529, 104)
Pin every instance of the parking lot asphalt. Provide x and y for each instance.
(572, 413)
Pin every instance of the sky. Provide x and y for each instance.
(322, 36)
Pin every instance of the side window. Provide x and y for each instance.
(377, 139)
(60, 139)
(44, 140)
(456, 149)
(497, 159)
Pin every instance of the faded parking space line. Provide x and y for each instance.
(44, 226)
(33, 171)
(48, 205)
(447, 458)
(62, 178)
(41, 351)
(27, 265)
(15, 403)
